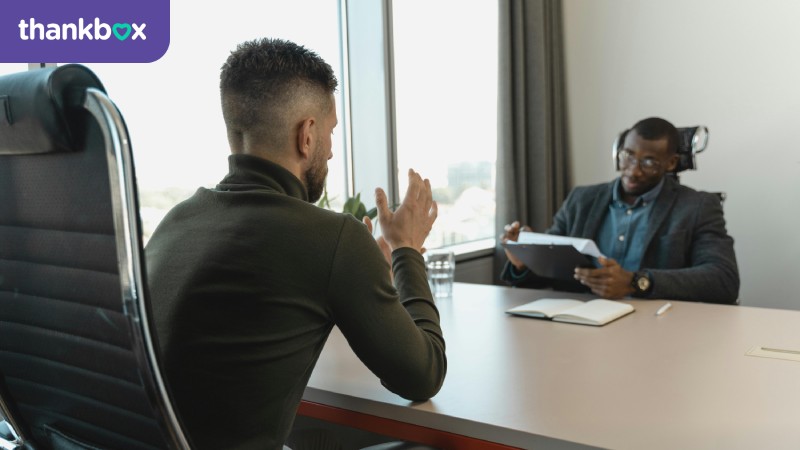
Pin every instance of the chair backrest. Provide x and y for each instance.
(77, 361)
(691, 141)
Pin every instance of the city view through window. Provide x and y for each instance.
(445, 67)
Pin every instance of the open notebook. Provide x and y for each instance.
(597, 312)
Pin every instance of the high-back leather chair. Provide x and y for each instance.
(77, 366)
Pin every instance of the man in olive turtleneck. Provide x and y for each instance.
(248, 279)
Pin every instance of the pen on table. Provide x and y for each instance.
(663, 308)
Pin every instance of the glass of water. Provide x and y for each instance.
(441, 267)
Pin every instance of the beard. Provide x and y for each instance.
(316, 173)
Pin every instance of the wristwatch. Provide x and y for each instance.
(641, 283)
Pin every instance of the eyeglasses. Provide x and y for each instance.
(627, 159)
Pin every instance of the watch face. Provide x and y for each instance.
(643, 282)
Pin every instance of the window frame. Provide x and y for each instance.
(367, 37)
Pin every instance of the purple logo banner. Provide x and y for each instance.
(83, 31)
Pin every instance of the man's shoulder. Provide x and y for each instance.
(691, 194)
(595, 187)
(254, 211)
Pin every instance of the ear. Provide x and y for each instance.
(672, 163)
(306, 138)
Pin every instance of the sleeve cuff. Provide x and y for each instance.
(517, 275)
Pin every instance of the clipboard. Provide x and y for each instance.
(557, 261)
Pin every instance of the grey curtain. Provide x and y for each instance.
(532, 165)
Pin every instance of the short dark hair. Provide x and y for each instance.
(263, 79)
(654, 128)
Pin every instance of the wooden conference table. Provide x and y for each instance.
(681, 380)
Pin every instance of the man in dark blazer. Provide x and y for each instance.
(660, 239)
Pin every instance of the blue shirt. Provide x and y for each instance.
(624, 229)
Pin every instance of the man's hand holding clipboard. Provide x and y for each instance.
(549, 255)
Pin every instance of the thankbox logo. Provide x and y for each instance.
(84, 31)
(97, 30)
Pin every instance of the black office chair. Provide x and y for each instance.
(77, 366)
(691, 141)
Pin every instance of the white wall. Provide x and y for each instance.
(730, 65)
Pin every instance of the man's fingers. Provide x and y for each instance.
(428, 195)
(513, 229)
(607, 262)
(381, 204)
(411, 222)
(590, 276)
(433, 212)
(368, 222)
(380, 197)
(414, 186)
(594, 285)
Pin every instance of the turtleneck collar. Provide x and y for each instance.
(247, 172)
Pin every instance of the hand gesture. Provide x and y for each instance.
(410, 223)
(511, 233)
(610, 281)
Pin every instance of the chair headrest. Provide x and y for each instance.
(691, 141)
(40, 108)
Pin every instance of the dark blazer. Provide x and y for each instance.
(688, 252)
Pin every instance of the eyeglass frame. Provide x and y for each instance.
(626, 159)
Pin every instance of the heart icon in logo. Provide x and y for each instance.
(121, 35)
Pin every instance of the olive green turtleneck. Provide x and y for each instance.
(246, 282)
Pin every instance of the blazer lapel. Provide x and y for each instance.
(598, 212)
(660, 211)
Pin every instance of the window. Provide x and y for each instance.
(445, 91)
(7, 68)
(171, 106)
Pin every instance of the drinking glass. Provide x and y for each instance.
(441, 267)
